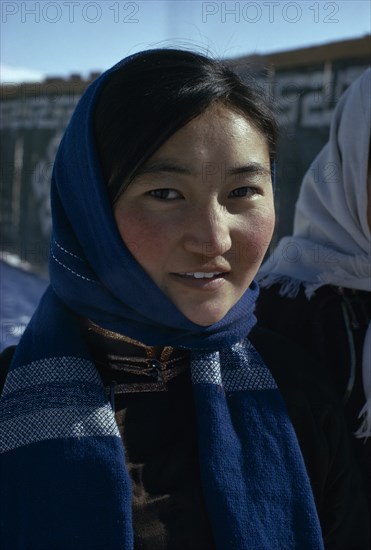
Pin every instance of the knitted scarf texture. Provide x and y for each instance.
(64, 482)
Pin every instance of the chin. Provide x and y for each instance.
(204, 323)
(205, 319)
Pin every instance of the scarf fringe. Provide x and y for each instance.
(290, 287)
(365, 428)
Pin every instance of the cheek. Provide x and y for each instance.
(256, 237)
(145, 239)
(266, 229)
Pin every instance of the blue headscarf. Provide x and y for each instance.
(66, 483)
(91, 269)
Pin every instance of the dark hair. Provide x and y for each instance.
(153, 95)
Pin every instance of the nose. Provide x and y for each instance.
(208, 231)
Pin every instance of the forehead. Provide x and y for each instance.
(219, 133)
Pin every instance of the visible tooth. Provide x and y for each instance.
(199, 275)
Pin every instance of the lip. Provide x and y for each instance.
(204, 283)
(206, 268)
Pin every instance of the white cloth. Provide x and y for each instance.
(331, 240)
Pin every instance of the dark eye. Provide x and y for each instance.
(243, 192)
(164, 194)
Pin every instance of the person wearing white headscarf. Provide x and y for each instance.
(316, 285)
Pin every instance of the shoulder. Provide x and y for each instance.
(291, 365)
(272, 304)
(305, 386)
(310, 397)
(6, 357)
(312, 403)
(271, 298)
(310, 322)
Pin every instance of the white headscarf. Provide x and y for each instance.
(331, 241)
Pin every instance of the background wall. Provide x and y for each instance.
(303, 85)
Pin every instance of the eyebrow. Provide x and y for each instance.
(159, 166)
(251, 168)
(168, 166)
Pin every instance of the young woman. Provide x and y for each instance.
(322, 297)
(143, 408)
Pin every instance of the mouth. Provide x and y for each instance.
(202, 275)
(202, 280)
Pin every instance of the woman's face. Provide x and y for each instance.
(199, 216)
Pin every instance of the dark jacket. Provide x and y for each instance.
(331, 327)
